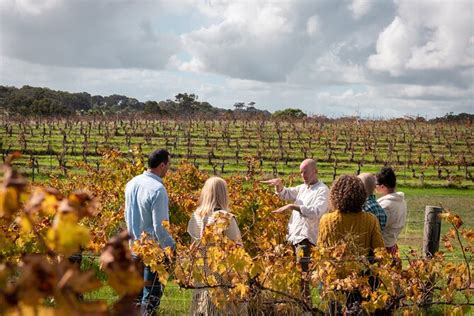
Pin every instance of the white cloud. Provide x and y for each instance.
(313, 26)
(276, 41)
(435, 92)
(393, 48)
(240, 84)
(332, 57)
(86, 33)
(29, 7)
(255, 41)
(360, 8)
(426, 35)
(194, 65)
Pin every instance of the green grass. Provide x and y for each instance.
(175, 301)
(459, 201)
(434, 192)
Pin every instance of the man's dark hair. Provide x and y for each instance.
(157, 157)
(387, 177)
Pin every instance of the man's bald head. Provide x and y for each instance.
(369, 181)
(308, 162)
(309, 171)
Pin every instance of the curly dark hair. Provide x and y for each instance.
(347, 194)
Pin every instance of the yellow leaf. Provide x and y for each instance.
(49, 205)
(25, 310)
(67, 236)
(166, 225)
(125, 282)
(221, 268)
(241, 289)
(256, 269)
(211, 280)
(9, 201)
(169, 252)
(25, 224)
(456, 311)
(161, 272)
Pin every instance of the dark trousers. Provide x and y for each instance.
(150, 296)
(152, 292)
(303, 257)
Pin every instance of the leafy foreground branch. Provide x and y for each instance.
(40, 228)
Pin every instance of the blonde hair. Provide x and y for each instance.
(214, 196)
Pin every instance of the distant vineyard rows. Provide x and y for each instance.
(422, 153)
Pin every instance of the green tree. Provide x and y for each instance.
(239, 105)
(152, 107)
(289, 114)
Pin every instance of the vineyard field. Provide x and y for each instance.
(69, 199)
(421, 153)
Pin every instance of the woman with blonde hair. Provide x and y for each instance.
(213, 203)
(214, 200)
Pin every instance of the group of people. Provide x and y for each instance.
(319, 216)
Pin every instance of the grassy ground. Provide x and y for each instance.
(459, 201)
(177, 301)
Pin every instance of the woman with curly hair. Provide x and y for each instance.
(347, 221)
(360, 230)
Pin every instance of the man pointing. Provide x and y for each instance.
(309, 203)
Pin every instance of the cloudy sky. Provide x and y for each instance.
(375, 58)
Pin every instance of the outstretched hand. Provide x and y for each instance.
(276, 182)
(288, 207)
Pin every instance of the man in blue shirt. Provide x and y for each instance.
(371, 205)
(146, 207)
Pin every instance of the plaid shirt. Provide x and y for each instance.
(372, 206)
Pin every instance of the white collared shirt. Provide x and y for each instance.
(313, 203)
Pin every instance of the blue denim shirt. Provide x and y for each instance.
(146, 206)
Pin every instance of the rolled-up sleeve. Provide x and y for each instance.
(317, 206)
(289, 194)
(160, 213)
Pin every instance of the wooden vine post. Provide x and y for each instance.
(432, 230)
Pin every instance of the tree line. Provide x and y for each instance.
(38, 101)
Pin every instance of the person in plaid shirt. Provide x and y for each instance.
(371, 205)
